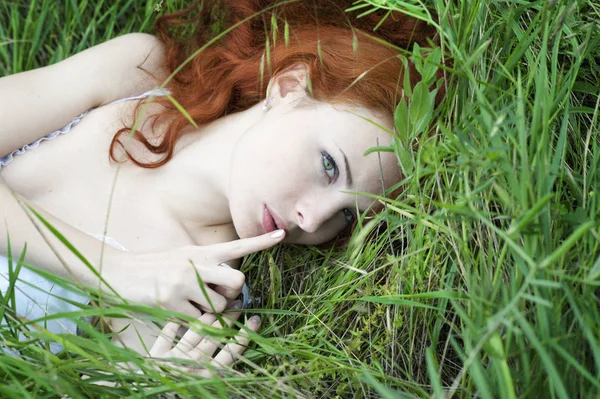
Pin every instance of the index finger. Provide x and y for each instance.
(245, 246)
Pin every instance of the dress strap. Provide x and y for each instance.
(154, 92)
(4, 161)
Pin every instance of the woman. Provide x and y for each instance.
(271, 150)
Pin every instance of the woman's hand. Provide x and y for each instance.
(201, 349)
(170, 279)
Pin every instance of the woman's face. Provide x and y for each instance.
(302, 169)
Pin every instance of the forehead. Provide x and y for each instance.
(356, 126)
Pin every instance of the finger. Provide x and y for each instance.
(164, 341)
(228, 293)
(232, 313)
(245, 246)
(231, 280)
(192, 338)
(188, 309)
(207, 346)
(213, 302)
(233, 350)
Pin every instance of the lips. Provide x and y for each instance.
(271, 221)
(267, 221)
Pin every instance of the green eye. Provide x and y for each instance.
(329, 166)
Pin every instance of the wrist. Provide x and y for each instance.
(105, 271)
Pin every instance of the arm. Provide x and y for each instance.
(16, 225)
(168, 278)
(37, 102)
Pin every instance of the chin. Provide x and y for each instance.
(244, 231)
(241, 224)
(241, 232)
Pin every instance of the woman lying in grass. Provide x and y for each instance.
(278, 113)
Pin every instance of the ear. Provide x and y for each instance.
(289, 85)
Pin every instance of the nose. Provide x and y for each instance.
(313, 211)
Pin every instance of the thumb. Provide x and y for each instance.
(245, 246)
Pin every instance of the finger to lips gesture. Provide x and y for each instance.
(170, 279)
(195, 353)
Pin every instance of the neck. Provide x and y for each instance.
(194, 185)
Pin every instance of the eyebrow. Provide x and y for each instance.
(348, 173)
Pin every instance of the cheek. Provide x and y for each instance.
(273, 155)
(286, 173)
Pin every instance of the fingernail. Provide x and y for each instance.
(277, 234)
(236, 305)
(255, 319)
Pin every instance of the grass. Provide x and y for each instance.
(483, 279)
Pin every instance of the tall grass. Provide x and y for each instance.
(482, 279)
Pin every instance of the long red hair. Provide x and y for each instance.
(351, 59)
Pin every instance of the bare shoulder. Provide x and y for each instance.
(138, 65)
(37, 102)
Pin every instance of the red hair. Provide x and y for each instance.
(349, 60)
